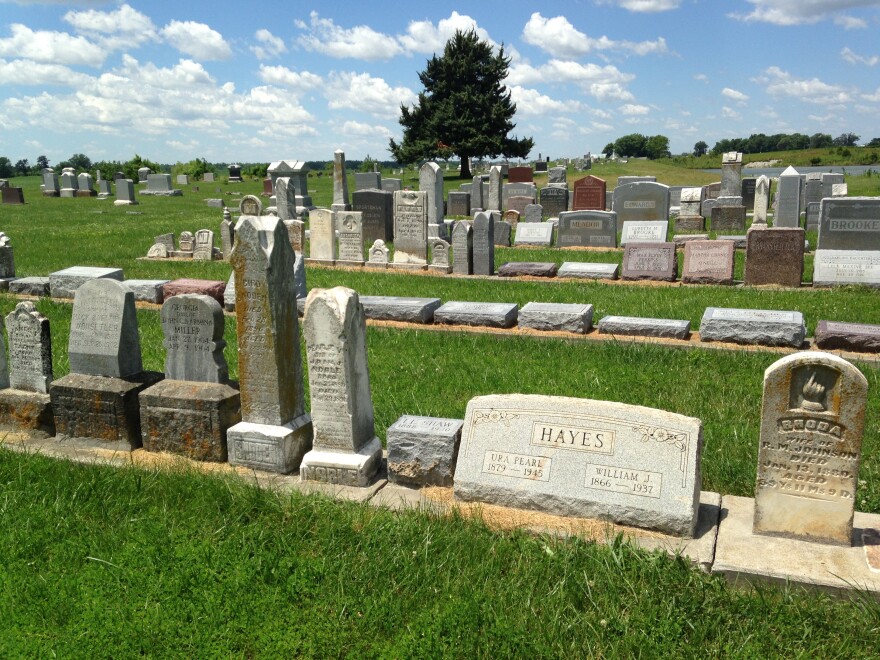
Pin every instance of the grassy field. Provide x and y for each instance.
(100, 562)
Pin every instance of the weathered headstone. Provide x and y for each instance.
(30, 349)
(747, 192)
(831, 335)
(639, 326)
(392, 185)
(556, 175)
(812, 421)
(728, 218)
(346, 449)
(459, 203)
(85, 185)
(440, 261)
(762, 200)
(227, 234)
(285, 198)
(829, 180)
(708, 262)
(322, 235)
(50, 183)
(494, 197)
(649, 261)
(276, 431)
(193, 329)
(554, 200)
(431, 182)
(351, 238)
(422, 450)
(463, 249)
(483, 242)
(731, 174)
(186, 241)
(340, 183)
(476, 201)
(378, 254)
(753, 326)
(250, 205)
(532, 213)
(576, 457)
(788, 205)
(69, 182)
(367, 181)
(203, 248)
(774, 256)
(411, 227)
(143, 174)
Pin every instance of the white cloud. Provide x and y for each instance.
(730, 113)
(360, 42)
(197, 40)
(27, 72)
(804, 12)
(850, 22)
(702, 77)
(281, 75)
(52, 47)
(872, 98)
(123, 28)
(603, 82)
(268, 45)
(734, 95)
(632, 109)
(606, 92)
(643, 5)
(853, 58)
(361, 129)
(782, 83)
(362, 92)
(559, 37)
(424, 37)
(532, 102)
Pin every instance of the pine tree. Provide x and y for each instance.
(464, 109)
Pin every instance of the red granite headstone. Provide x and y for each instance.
(588, 194)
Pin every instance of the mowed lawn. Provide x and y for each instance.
(107, 562)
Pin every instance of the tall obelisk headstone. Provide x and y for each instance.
(346, 450)
(340, 183)
(431, 181)
(494, 201)
(762, 200)
(275, 432)
(812, 421)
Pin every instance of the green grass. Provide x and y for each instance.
(101, 561)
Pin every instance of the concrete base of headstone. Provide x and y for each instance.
(151, 291)
(490, 315)
(86, 193)
(30, 286)
(51, 193)
(349, 264)
(745, 557)
(690, 223)
(190, 419)
(753, 327)
(856, 337)
(681, 239)
(162, 193)
(422, 450)
(382, 265)
(636, 326)
(319, 262)
(101, 407)
(21, 410)
(64, 283)
(440, 270)
(212, 288)
(4, 283)
(124, 202)
(589, 271)
(394, 308)
(358, 468)
(411, 266)
(556, 316)
(68, 193)
(528, 269)
(270, 447)
(739, 240)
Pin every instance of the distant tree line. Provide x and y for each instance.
(759, 143)
(636, 145)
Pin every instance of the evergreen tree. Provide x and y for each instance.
(464, 109)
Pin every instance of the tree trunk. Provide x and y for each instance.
(465, 172)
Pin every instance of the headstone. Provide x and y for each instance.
(623, 180)
(534, 233)
(422, 450)
(203, 250)
(850, 223)
(182, 285)
(463, 249)
(69, 183)
(125, 193)
(494, 197)
(298, 173)
(520, 175)
(577, 457)
(158, 251)
(459, 203)
(275, 432)
(839, 190)
(143, 174)
(322, 235)
(518, 203)
(731, 174)
(829, 180)
(643, 200)
(554, 200)
(268, 187)
(85, 185)
(588, 270)
(376, 207)
(250, 205)
(440, 261)
(774, 256)
(713, 190)
(708, 262)
(483, 244)
(285, 198)
(431, 182)
(105, 188)
(528, 269)
(378, 254)
(834, 267)
(587, 228)
(50, 183)
(556, 175)
(690, 200)
(476, 191)
(296, 232)
(491, 315)
(399, 308)
(235, 173)
(556, 317)
(193, 329)
(411, 227)
(182, 180)
(367, 181)
(812, 421)
(637, 326)
(762, 200)
(812, 188)
(30, 286)
(753, 326)
(12, 195)
(30, 349)
(340, 183)
(788, 205)
(644, 231)
(186, 242)
(346, 449)
(351, 238)
(532, 213)
(227, 234)
(151, 291)
(510, 191)
(208, 177)
(649, 261)
(392, 185)
(160, 185)
(104, 338)
(728, 218)
(589, 194)
(229, 294)
(64, 283)
(832, 335)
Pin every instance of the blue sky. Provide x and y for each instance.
(270, 80)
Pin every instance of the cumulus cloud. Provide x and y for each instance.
(640, 6)
(734, 95)
(27, 72)
(425, 37)
(197, 39)
(124, 27)
(360, 42)
(363, 92)
(281, 75)
(804, 12)
(268, 45)
(851, 57)
(631, 109)
(532, 102)
(730, 113)
(558, 36)
(53, 47)
(782, 83)
(362, 129)
(702, 77)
